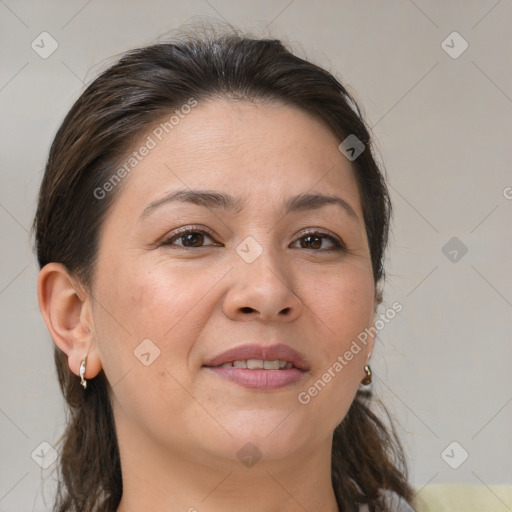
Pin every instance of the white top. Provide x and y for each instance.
(392, 501)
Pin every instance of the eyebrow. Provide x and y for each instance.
(218, 200)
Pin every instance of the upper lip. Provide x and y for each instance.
(266, 353)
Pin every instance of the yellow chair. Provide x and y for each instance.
(463, 498)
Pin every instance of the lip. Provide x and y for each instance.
(263, 380)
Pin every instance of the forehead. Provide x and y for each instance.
(259, 152)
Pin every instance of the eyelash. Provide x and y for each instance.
(180, 233)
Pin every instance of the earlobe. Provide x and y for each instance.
(370, 348)
(378, 299)
(66, 311)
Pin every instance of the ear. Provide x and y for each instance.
(378, 298)
(370, 343)
(67, 312)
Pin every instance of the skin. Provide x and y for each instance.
(180, 426)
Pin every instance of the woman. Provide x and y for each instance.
(211, 229)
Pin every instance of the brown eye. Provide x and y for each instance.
(190, 238)
(314, 241)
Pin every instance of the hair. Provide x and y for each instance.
(116, 110)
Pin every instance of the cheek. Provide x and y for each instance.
(342, 307)
(137, 305)
(162, 304)
(151, 301)
(344, 304)
(159, 302)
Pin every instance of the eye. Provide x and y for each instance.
(313, 240)
(191, 237)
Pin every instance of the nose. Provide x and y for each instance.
(262, 289)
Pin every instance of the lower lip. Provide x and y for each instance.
(263, 380)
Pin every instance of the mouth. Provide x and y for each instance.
(257, 364)
(259, 367)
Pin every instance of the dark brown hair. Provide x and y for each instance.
(115, 111)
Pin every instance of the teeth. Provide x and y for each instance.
(259, 364)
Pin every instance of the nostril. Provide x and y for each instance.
(247, 310)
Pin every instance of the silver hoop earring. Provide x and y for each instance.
(83, 364)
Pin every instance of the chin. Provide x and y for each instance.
(277, 434)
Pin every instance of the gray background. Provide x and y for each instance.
(443, 131)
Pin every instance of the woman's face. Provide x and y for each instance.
(166, 304)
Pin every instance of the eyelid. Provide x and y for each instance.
(320, 231)
(338, 243)
(185, 229)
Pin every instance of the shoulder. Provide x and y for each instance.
(392, 501)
